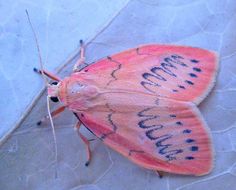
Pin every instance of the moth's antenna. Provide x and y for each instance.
(38, 49)
(53, 132)
(46, 84)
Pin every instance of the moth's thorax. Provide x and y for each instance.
(76, 94)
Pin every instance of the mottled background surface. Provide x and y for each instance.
(27, 157)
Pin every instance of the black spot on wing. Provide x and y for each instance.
(193, 75)
(182, 87)
(194, 148)
(189, 82)
(179, 123)
(194, 61)
(189, 141)
(187, 131)
(189, 158)
(197, 69)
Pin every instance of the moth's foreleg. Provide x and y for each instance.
(47, 73)
(81, 60)
(160, 173)
(53, 114)
(86, 142)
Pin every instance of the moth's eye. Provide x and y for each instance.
(54, 83)
(54, 99)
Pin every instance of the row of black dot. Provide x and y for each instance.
(193, 148)
(186, 131)
(193, 75)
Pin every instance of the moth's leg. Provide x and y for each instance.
(86, 142)
(82, 57)
(47, 73)
(160, 173)
(53, 114)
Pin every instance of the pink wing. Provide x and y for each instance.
(175, 72)
(155, 133)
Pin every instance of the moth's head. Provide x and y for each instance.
(72, 92)
(53, 91)
(66, 91)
